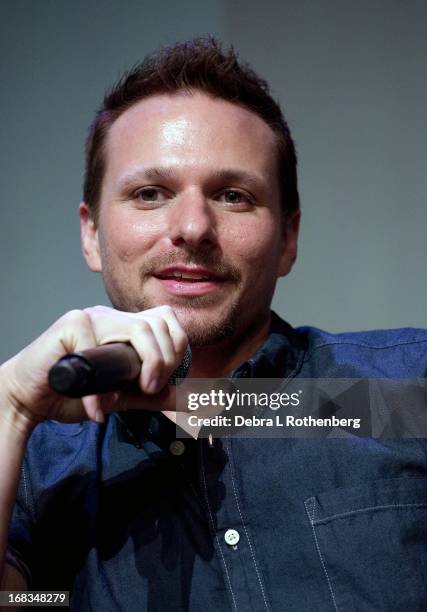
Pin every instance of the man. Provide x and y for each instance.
(191, 213)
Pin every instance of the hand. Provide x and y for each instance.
(155, 334)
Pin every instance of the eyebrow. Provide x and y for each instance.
(143, 174)
(235, 175)
(228, 176)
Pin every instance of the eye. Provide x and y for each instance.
(237, 198)
(149, 194)
(150, 197)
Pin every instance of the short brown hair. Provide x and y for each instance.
(198, 64)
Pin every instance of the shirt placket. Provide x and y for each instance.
(232, 533)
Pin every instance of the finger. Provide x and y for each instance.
(114, 326)
(109, 325)
(177, 333)
(79, 335)
(162, 334)
(165, 400)
(146, 345)
(92, 405)
(77, 331)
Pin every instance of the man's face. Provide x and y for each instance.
(189, 214)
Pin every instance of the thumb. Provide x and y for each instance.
(135, 400)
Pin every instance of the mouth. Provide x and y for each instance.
(188, 281)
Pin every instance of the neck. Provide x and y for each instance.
(217, 361)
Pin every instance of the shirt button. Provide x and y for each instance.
(154, 426)
(245, 371)
(177, 448)
(231, 537)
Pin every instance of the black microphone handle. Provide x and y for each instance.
(101, 369)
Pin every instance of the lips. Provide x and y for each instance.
(188, 274)
(188, 281)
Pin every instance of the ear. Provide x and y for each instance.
(290, 242)
(89, 238)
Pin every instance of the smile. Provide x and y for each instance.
(180, 281)
(184, 276)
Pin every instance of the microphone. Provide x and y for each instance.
(101, 369)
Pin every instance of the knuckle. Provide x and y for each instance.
(181, 341)
(166, 309)
(141, 327)
(162, 326)
(169, 363)
(96, 311)
(76, 317)
(155, 362)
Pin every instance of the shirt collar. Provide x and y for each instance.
(280, 356)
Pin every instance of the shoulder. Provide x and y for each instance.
(374, 339)
(57, 454)
(74, 441)
(389, 352)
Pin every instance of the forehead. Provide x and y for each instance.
(193, 130)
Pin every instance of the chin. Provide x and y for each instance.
(203, 320)
(205, 328)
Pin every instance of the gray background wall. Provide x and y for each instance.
(351, 79)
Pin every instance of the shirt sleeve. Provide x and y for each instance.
(19, 547)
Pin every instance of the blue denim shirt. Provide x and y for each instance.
(111, 514)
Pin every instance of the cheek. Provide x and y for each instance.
(126, 238)
(254, 245)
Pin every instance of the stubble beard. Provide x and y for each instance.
(193, 313)
(201, 329)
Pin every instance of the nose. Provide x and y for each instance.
(192, 222)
